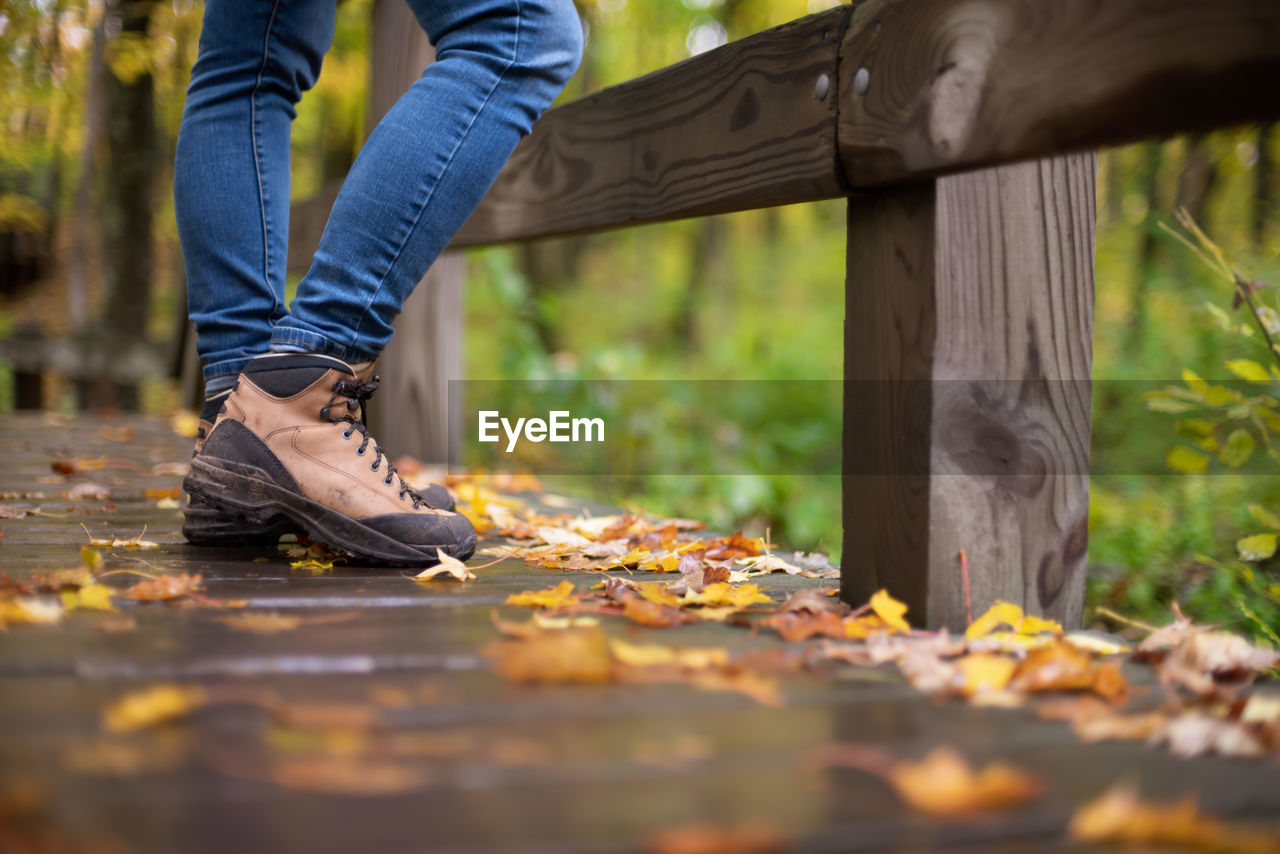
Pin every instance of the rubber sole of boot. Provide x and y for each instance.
(246, 492)
(206, 525)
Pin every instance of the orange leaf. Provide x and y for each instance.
(569, 655)
(1118, 815)
(943, 784)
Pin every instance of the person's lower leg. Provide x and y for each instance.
(427, 164)
(231, 171)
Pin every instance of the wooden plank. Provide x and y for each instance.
(914, 90)
(739, 127)
(412, 412)
(968, 323)
(931, 86)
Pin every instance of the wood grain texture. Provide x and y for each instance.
(953, 84)
(968, 328)
(411, 413)
(735, 128)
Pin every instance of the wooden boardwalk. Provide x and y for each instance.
(377, 724)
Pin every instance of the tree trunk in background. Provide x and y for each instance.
(1199, 174)
(133, 155)
(1262, 188)
(549, 268)
(1148, 246)
(708, 246)
(81, 219)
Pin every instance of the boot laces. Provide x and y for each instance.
(349, 397)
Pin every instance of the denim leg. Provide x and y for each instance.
(499, 64)
(231, 171)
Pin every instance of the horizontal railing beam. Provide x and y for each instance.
(937, 86)
(748, 125)
(858, 97)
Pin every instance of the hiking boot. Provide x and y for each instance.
(291, 447)
(205, 525)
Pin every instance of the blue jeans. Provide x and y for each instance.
(427, 164)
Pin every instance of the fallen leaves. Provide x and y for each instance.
(120, 543)
(553, 597)
(1119, 815)
(571, 655)
(704, 838)
(589, 655)
(166, 588)
(449, 567)
(942, 783)
(151, 706)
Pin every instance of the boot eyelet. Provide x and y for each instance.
(346, 434)
(373, 466)
(360, 452)
(387, 481)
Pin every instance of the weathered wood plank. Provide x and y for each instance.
(913, 90)
(932, 86)
(968, 325)
(748, 125)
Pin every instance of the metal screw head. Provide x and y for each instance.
(861, 80)
(822, 87)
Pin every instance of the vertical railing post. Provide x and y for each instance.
(412, 411)
(968, 340)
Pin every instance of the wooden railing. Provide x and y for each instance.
(969, 290)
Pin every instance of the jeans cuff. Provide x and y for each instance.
(287, 339)
(222, 375)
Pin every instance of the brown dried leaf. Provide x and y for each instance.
(795, 626)
(1063, 666)
(648, 613)
(88, 491)
(165, 588)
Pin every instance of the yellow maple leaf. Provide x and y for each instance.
(1033, 625)
(96, 597)
(725, 594)
(1001, 613)
(657, 593)
(658, 655)
(666, 563)
(151, 706)
(1007, 613)
(986, 672)
(553, 597)
(890, 610)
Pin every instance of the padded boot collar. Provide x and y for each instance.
(286, 374)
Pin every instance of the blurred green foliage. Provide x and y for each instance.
(755, 295)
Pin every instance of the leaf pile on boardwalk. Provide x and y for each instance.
(616, 582)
